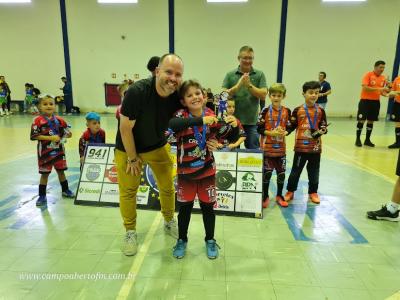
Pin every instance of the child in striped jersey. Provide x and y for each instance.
(309, 120)
(194, 126)
(272, 125)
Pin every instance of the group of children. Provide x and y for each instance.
(3, 100)
(197, 132)
(274, 123)
(196, 124)
(51, 132)
(31, 100)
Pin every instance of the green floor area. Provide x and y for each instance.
(330, 251)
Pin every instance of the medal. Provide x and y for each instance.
(278, 121)
(313, 123)
(200, 138)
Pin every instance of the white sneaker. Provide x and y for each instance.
(171, 228)
(130, 245)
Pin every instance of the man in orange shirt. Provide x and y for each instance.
(396, 111)
(373, 86)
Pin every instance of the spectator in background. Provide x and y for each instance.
(67, 91)
(7, 88)
(324, 91)
(153, 64)
(210, 95)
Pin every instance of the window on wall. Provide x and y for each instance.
(15, 1)
(117, 1)
(226, 1)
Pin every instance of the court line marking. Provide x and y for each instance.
(139, 258)
(362, 166)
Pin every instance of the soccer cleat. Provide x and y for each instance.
(394, 146)
(314, 198)
(358, 143)
(281, 201)
(289, 196)
(171, 228)
(265, 202)
(179, 249)
(68, 194)
(41, 201)
(383, 214)
(369, 143)
(130, 245)
(212, 249)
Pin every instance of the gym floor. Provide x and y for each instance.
(329, 251)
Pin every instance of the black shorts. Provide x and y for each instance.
(398, 165)
(395, 116)
(368, 110)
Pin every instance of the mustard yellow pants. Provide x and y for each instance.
(161, 164)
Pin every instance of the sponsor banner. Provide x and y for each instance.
(97, 154)
(249, 181)
(225, 201)
(250, 161)
(238, 181)
(225, 180)
(225, 160)
(248, 202)
(89, 191)
(93, 172)
(111, 156)
(110, 174)
(110, 193)
(142, 196)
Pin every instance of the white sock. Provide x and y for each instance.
(392, 207)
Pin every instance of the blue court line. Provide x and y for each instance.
(7, 200)
(313, 211)
(26, 218)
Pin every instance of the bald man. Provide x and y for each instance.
(146, 109)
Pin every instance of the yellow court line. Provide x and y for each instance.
(362, 166)
(139, 258)
(394, 297)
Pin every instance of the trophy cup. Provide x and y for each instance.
(222, 105)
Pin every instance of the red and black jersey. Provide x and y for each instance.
(87, 137)
(305, 125)
(268, 120)
(42, 125)
(194, 162)
(231, 134)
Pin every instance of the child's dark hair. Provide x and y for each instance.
(311, 85)
(186, 85)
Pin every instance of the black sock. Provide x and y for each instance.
(64, 185)
(185, 211)
(280, 188)
(359, 129)
(208, 219)
(42, 189)
(397, 131)
(265, 190)
(370, 126)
